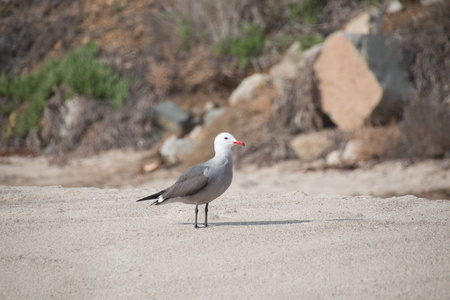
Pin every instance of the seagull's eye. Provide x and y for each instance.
(226, 138)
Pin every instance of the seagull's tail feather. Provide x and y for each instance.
(153, 196)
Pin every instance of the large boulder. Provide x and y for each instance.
(360, 81)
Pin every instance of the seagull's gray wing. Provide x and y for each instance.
(191, 181)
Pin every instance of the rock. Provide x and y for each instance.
(360, 24)
(64, 123)
(212, 114)
(370, 143)
(431, 2)
(153, 166)
(365, 23)
(297, 105)
(173, 147)
(171, 117)
(209, 105)
(394, 7)
(334, 158)
(293, 54)
(354, 152)
(360, 81)
(287, 67)
(311, 146)
(33, 142)
(247, 90)
(52, 120)
(195, 133)
(287, 70)
(246, 121)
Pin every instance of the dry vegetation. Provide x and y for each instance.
(198, 51)
(426, 50)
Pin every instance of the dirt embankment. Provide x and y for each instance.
(122, 169)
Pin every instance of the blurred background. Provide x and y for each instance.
(121, 92)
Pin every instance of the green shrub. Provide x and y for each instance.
(80, 72)
(4, 86)
(306, 10)
(309, 10)
(308, 40)
(116, 7)
(185, 34)
(283, 41)
(243, 48)
(371, 2)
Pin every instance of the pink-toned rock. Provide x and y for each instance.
(367, 22)
(349, 90)
(359, 80)
(359, 24)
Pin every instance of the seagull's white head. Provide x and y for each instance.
(225, 141)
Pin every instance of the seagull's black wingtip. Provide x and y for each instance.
(152, 197)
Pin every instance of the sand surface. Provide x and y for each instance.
(89, 243)
(277, 233)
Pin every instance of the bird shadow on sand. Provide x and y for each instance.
(276, 222)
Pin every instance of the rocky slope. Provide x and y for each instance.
(162, 48)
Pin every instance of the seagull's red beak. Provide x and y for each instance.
(239, 143)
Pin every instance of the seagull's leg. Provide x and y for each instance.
(196, 213)
(206, 215)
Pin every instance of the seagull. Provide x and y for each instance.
(202, 183)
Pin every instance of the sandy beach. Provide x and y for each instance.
(90, 243)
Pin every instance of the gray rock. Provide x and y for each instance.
(394, 6)
(173, 147)
(431, 2)
(379, 51)
(33, 142)
(171, 117)
(64, 123)
(287, 70)
(248, 88)
(212, 114)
